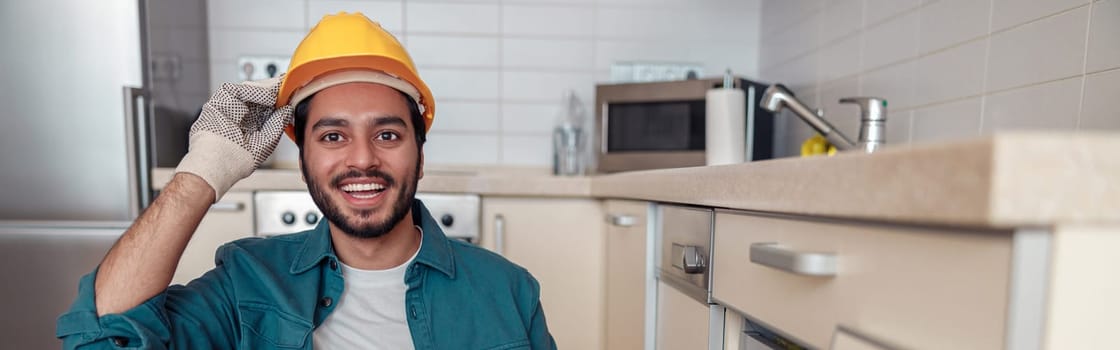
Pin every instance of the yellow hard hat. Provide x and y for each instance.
(348, 47)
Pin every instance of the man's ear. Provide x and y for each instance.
(421, 174)
(301, 171)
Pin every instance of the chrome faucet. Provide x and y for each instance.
(873, 118)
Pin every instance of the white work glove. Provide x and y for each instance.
(238, 129)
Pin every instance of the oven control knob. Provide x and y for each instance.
(288, 218)
(311, 218)
(447, 220)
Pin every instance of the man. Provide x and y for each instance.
(377, 272)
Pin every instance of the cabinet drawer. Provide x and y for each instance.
(229, 220)
(925, 288)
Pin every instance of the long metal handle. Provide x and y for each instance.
(604, 133)
(137, 145)
(227, 206)
(622, 220)
(499, 233)
(808, 264)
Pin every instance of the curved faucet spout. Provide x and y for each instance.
(778, 96)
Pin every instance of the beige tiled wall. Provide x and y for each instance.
(949, 68)
(498, 67)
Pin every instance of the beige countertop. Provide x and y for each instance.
(1005, 180)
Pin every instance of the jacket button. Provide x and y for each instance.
(334, 265)
(326, 302)
(412, 310)
(120, 341)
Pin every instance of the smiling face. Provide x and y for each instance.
(361, 159)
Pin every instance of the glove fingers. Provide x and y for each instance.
(262, 142)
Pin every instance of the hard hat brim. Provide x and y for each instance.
(300, 77)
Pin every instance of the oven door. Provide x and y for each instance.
(682, 321)
(684, 316)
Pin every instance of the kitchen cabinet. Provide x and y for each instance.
(561, 242)
(227, 220)
(627, 274)
(916, 287)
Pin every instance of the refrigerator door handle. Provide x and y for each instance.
(138, 147)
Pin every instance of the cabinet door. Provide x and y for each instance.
(561, 242)
(626, 274)
(228, 220)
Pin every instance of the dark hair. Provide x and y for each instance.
(304, 107)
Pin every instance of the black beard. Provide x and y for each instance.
(360, 227)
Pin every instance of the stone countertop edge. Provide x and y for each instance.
(1018, 179)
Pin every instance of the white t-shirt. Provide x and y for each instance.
(370, 312)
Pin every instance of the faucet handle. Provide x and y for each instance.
(871, 108)
(872, 124)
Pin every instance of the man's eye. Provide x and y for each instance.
(387, 136)
(332, 137)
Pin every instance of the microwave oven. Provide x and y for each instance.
(662, 124)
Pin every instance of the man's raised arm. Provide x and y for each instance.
(238, 129)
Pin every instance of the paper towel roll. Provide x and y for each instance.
(725, 131)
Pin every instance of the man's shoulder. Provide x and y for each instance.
(276, 247)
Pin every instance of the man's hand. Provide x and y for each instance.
(238, 129)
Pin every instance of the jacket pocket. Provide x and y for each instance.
(264, 325)
(517, 345)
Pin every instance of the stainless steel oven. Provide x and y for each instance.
(662, 124)
(685, 315)
(280, 212)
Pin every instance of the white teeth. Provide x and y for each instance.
(363, 196)
(362, 187)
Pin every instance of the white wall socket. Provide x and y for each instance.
(638, 71)
(261, 67)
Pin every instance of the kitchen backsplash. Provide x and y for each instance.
(498, 67)
(949, 68)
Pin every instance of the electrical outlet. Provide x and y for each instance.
(261, 67)
(630, 72)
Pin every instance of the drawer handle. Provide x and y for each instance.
(228, 206)
(808, 264)
(499, 234)
(623, 220)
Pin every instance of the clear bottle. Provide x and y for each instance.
(567, 137)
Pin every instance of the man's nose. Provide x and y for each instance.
(363, 156)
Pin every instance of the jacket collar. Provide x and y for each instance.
(435, 251)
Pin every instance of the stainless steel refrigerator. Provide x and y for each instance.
(92, 95)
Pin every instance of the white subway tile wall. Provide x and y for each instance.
(1100, 109)
(892, 41)
(949, 69)
(1104, 28)
(1043, 50)
(950, 22)
(1051, 105)
(498, 68)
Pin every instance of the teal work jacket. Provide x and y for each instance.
(272, 293)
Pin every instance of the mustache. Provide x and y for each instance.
(354, 173)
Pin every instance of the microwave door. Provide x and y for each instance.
(645, 135)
